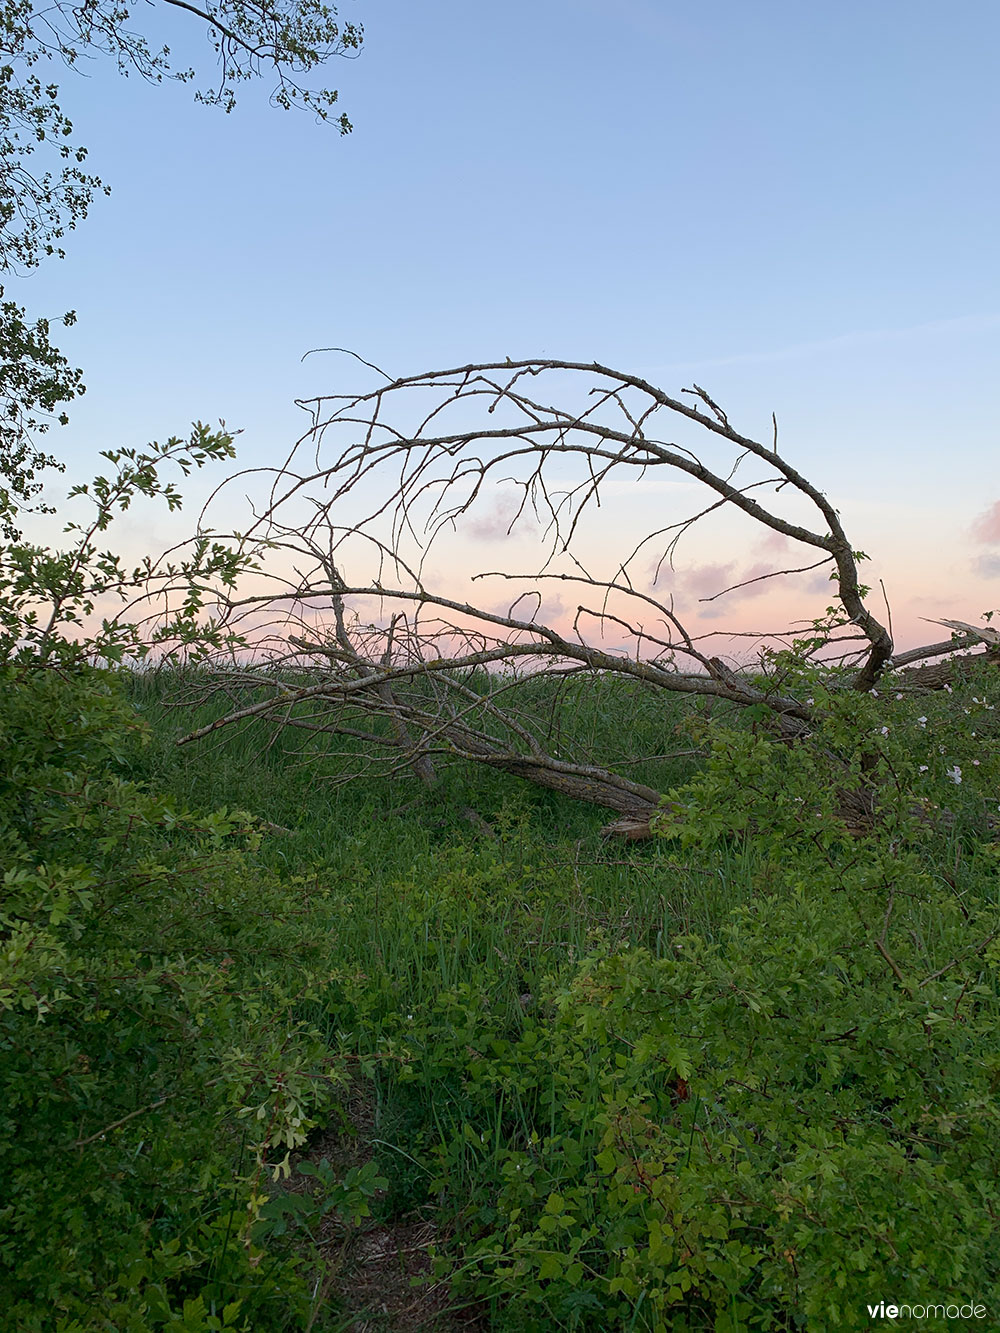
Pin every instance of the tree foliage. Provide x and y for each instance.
(285, 39)
(36, 381)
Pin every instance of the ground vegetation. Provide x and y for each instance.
(280, 1038)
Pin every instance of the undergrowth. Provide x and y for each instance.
(728, 1080)
(741, 1077)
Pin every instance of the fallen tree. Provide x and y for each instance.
(358, 633)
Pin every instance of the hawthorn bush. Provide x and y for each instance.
(773, 1123)
(154, 1070)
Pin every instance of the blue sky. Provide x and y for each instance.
(795, 205)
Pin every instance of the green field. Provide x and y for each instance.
(283, 1051)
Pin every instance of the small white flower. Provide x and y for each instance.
(885, 731)
(955, 774)
(923, 768)
(975, 763)
(810, 701)
(947, 689)
(899, 696)
(921, 722)
(873, 693)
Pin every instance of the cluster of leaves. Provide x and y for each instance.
(35, 381)
(36, 207)
(769, 1126)
(289, 38)
(49, 599)
(39, 205)
(155, 1067)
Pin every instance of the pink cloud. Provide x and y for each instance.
(775, 542)
(819, 584)
(703, 580)
(707, 581)
(494, 524)
(986, 528)
(551, 610)
(755, 589)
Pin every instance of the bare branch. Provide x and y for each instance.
(364, 627)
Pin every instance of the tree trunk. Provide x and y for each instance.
(936, 675)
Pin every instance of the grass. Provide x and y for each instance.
(418, 904)
(376, 832)
(444, 939)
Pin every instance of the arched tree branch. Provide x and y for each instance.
(367, 635)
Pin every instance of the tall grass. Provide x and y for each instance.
(445, 935)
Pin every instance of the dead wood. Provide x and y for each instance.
(350, 632)
(939, 675)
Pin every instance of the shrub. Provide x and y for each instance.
(777, 1125)
(153, 1064)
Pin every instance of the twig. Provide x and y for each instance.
(895, 970)
(117, 1124)
(969, 953)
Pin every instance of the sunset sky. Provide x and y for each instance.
(796, 206)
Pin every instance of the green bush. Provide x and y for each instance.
(762, 1133)
(776, 1126)
(154, 1070)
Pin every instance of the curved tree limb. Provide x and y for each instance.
(358, 638)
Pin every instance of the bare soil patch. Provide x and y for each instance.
(376, 1275)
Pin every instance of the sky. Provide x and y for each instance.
(795, 206)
